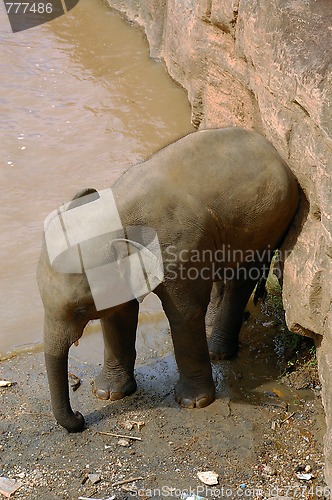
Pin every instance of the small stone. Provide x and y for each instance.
(269, 470)
(5, 383)
(128, 425)
(307, 468)
(304, 477)
(9, 486)
(94, 478)
(124, 442)
(208, 477)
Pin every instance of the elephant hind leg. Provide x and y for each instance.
(224, 340)
(216, 297)
(116, 379)
(185, 305)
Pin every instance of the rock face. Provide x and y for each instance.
(266, 66)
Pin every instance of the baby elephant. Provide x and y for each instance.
(210, 207)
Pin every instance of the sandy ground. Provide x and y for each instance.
(257, 436)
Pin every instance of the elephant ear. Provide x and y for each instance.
(140, 266)
(77, 232)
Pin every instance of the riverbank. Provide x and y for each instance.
(257, 436)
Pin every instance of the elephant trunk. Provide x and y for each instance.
(56, 359)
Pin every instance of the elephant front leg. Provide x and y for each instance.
(195, 387)
(116, 380)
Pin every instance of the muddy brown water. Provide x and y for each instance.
(80, 101)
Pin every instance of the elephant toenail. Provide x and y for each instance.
(205, 401)
(187, 403)
(114, 396)
(101, 394)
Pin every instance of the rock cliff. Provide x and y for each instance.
(266, 65)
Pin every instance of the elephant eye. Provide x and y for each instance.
(79, 311)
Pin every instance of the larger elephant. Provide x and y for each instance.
(216, 203)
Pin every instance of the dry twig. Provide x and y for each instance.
(125, 481)
(119, 435)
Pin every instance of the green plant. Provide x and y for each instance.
(290, 346)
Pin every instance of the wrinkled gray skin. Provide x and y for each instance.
(211, 188)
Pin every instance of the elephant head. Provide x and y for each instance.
(89, 267)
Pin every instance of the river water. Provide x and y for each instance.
(80, 101)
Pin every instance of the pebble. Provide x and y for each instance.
(209, 477)
(123, 442)
(269, 470)
(128, 425)
(94, 478)
(5, 383)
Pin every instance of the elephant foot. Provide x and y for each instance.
(194, 397)
(217, 356)
(221, 356)
(113, 388)
(222, 350)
